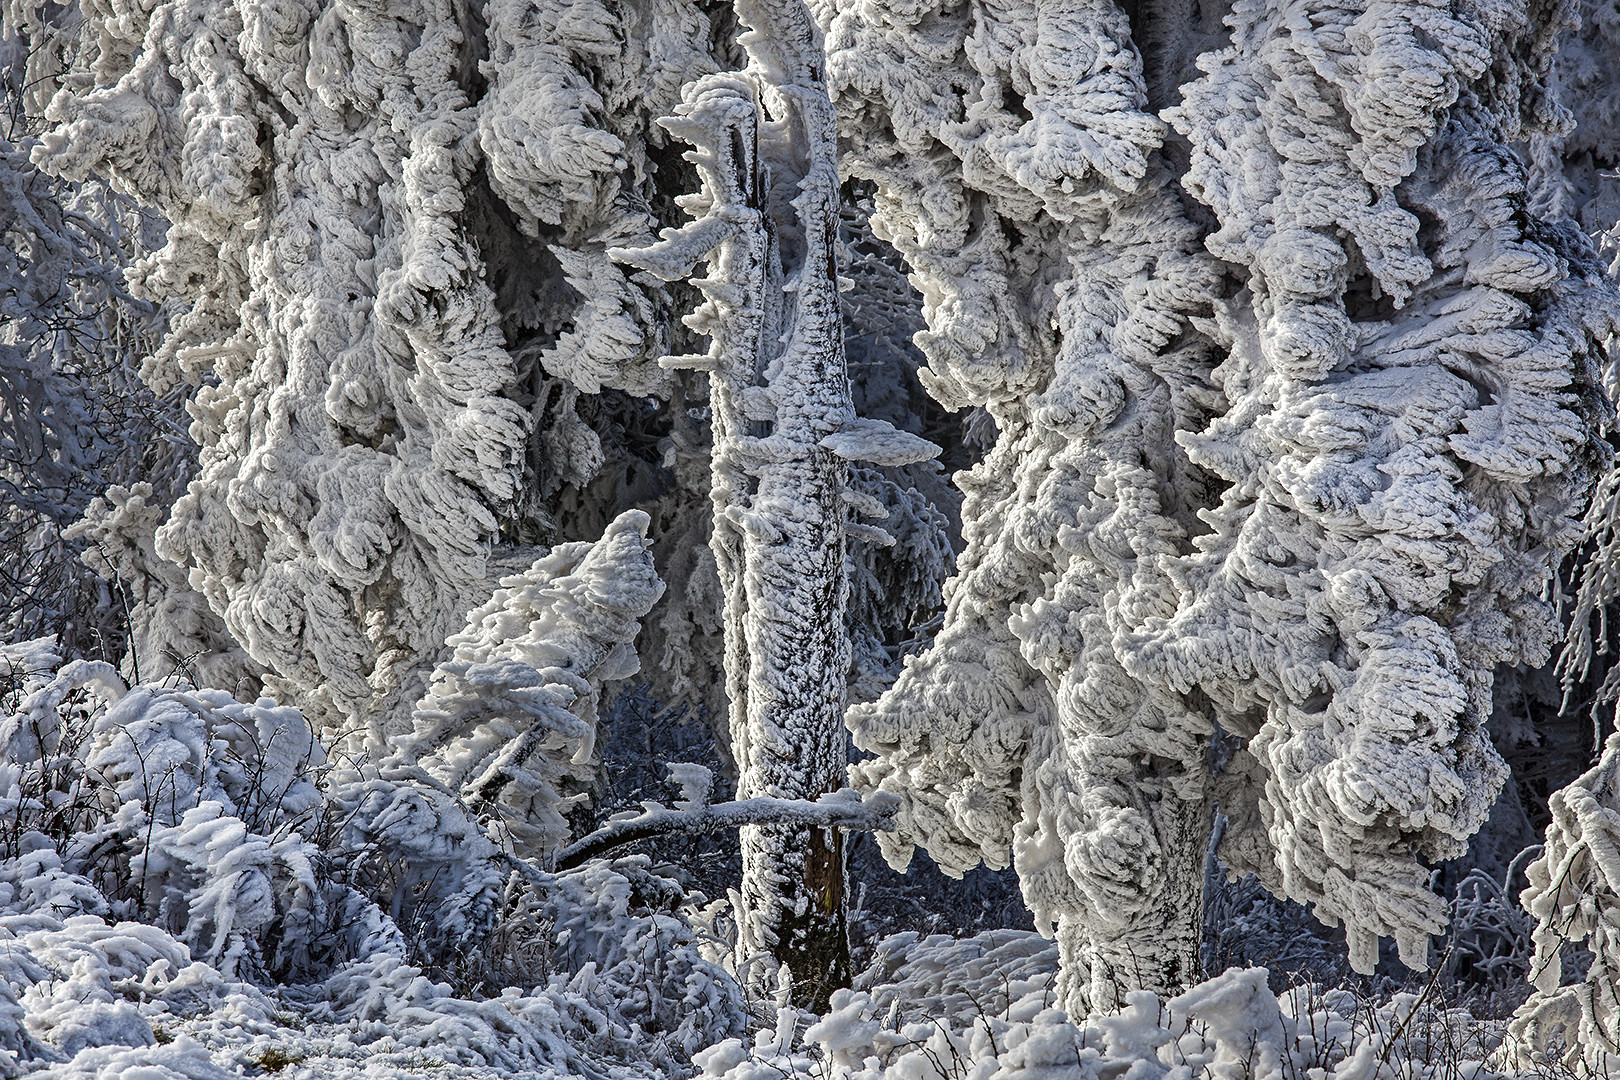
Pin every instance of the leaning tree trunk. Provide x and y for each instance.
(783, 424)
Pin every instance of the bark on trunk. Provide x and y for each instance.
(778, 392)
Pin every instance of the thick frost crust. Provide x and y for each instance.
(567, 128)
(1403, 428)
(509, 723)
(172, 629)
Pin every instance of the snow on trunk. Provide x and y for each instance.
(783, 428)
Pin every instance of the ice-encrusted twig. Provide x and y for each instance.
(842, 809)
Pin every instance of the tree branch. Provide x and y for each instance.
(843, 809)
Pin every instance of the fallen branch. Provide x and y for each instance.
(842, 809)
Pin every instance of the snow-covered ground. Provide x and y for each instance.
(84, 997)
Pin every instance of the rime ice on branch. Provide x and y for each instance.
(783, 427)
(71, 340)
(171, 627)
(566, 128)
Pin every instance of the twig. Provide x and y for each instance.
(841, 809)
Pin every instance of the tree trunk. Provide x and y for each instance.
(779, 403)
(1158, 949)
(791, 743)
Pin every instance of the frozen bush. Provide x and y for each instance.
(1574, 895)
(509, 722)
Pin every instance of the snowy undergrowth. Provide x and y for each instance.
(984, 1008)
(189, 889)
(82, 992)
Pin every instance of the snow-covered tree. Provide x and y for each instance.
(1574, 895)
(74, 417)
(1312, 495)
(298, 293)
(1059, 275)
(1409, 433)
(509, 722)
(394, 294)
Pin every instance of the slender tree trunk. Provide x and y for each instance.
(779, 393)
(796, 645)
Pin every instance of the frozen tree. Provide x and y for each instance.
(353, 435)
(410, 361)
(1314, 504)
(1059, 275)
(73, 415)
(783, 429)
(389, 267)
(1409, 434)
